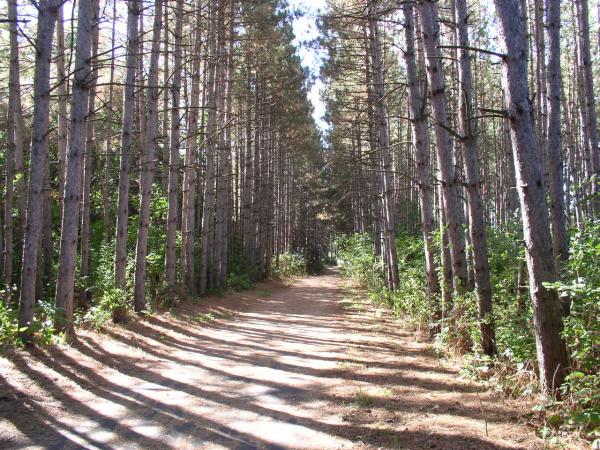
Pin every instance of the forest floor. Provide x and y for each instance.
(306, 366)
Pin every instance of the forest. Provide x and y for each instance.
(178, 216)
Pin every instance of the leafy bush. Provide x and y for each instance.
(111, 304)
(108, 302)
(356, 260)
(287, 265)
(42, 327)
(239, 282)
(513, 372)
(9, 327)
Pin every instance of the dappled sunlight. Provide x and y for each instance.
(292, 369)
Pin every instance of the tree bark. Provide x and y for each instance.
(590, 102)
(420, 133)
(551, 349)
(558, 217)
(65, 283)
(147, 165)
(383, 141)
(14, 145)
(207, 242)
(84, 268)
(63, 119)
(189, 171)
(477, 225)
(47, 14)
(107, 181)
(127, 142)
(174, 163)
(430, 31)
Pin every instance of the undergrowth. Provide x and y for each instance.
(514, 372)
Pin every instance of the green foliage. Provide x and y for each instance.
(513, 372)
(364, 400)
(108, 301)
(239, 282)
(42, 327)
(8, 325)
(288, 265)
(157, 249)
(411, 299)
(43, 324)
(581, 408)
(203, 318)
(356, 260)
(581, 284)
(111, 304)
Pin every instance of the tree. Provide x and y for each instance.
(418, 119)
(189, 170)
(382, 142)
(551, 349)
(14, 147)
(174, 163)
(73, 181)
(560, 239)
(47, 14)
(590, 103)
(133, 13)
(147, 165)
(477, 225)
(429, 28)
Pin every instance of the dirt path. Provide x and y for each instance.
(291, 368)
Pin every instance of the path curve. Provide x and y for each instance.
(297, 367)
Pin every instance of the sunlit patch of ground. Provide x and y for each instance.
(276, 367)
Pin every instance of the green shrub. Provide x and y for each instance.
(287, 265)
(239, 282)
(111, 304)
(513, 372)
(356, 260)
(9, 327)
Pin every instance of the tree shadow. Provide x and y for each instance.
(276, 366)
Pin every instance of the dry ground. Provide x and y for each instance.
(277, 367)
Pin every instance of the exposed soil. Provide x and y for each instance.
(276, 367)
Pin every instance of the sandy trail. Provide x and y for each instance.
(291, 368)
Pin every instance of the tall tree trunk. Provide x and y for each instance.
(65, 284)
(174, 163)
(63, 119)
(207, 241)
(551, 349)
(558, 219)
(147, 165)
(127, 141)
(420, 133)
(189, 171)
(107, 182)
(47, 13)
(383, 141)
(430, 31)
(477, 225)
(225, 173)
(84, 268)
(14, 145)
(165, 155)
(590, 102)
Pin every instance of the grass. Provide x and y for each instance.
(364, 400)
(346, 365)
(263, 293)
(203, 318)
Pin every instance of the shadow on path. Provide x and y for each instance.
(291, 369)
